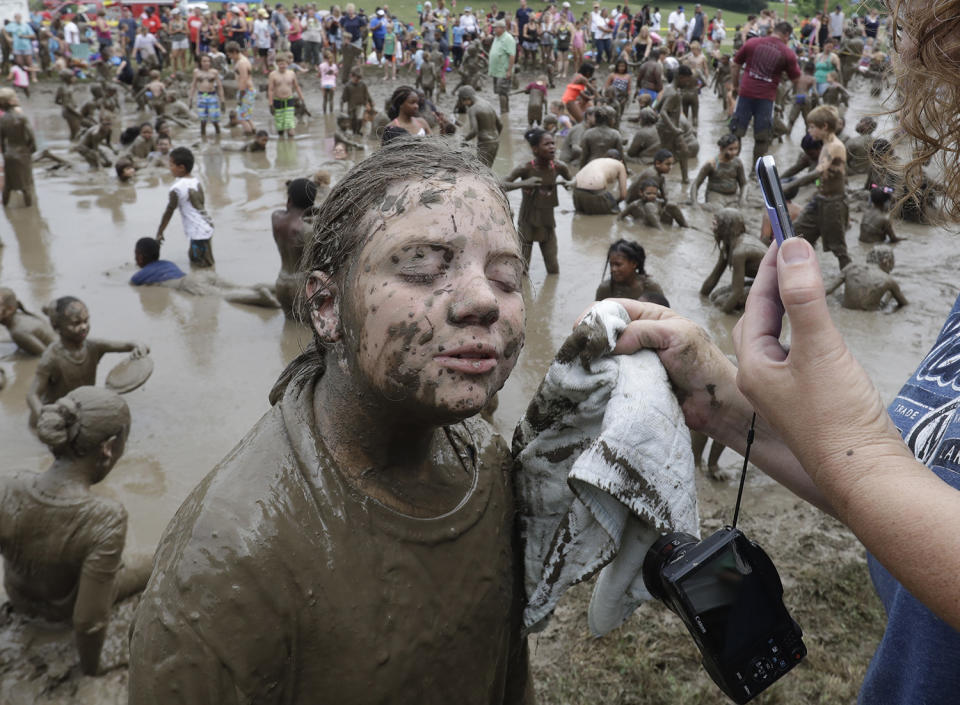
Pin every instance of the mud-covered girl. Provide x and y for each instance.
(538, 179)
(62, 545)
(358, 545)
(72, 361)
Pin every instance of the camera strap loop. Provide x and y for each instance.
(743, 472)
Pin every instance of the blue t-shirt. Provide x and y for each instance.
(918, 660)
(378, 27)
(457, 36)
(160, 271)
(352, 28)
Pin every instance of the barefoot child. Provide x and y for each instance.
(71, 361)
(537, 90)
(282, 84)
(628, 280)
(373, 462)
(536, 221)
(209, 91)
(186, 194)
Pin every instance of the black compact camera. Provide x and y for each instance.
(728, 593)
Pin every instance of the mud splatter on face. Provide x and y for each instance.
(450, 360)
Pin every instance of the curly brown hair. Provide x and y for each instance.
(926, 37)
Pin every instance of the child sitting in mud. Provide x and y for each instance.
(31, 333)
(71, 361)
(62, 544)
(866, 286)
(628, 280)
(875, 225)
(362, 536)
(740, 252)
(724, 175)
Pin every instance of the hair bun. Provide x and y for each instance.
(59, 423)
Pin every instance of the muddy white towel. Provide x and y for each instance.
(604, 466)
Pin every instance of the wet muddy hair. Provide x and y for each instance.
(81, 421)
(181, 156)
(57, 309)
(586, 69)
(398, 98)
(825, 116)
(9, 298)
(882, 256)
(344, 223)
(662, 155)
(728, 223)
(630, 249)
(534, 136)
(879, 196)
(302, 193)
(148, 248)
(727, 140)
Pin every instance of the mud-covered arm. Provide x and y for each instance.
(38, 387)
(834, 284)
(702, 175)
(896, 293)
(472, 124)
(136, 349)
(172, 203)
(803, 161)
(741, 182)
(95, 592)
(739, 267)
(889, 233)
(711, 281)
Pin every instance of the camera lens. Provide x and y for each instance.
(658, 555)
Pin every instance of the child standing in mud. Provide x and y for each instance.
(536, 221)
(368, 518)
(209, 91)
(186, 195)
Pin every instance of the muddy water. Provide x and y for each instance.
(215, 362)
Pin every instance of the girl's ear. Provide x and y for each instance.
(323, 301)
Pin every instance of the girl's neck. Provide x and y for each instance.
(404, 464)
(68, 477)
(360, 429)
(72, 345)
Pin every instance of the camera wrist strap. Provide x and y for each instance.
(743, 471)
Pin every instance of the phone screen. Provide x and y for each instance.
(774, 199)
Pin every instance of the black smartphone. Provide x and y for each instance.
(773, 199)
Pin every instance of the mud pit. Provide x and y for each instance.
(216, 362)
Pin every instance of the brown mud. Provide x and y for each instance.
(216, 362)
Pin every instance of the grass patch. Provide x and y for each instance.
(651, 659)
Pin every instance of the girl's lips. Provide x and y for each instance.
(471, 360)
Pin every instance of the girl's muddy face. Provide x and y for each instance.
(437, 314)
(75, 324)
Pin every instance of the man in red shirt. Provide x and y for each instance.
(763, 59)
(152, 21)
